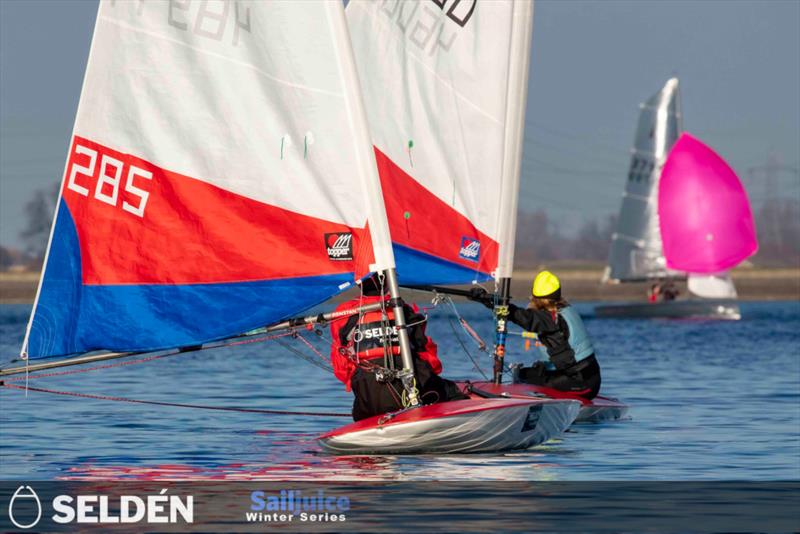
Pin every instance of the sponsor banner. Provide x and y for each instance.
(211, 506)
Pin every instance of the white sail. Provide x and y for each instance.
(716, 286)
(444, 84)
(220, 177)
(519, 62)
(636, 251)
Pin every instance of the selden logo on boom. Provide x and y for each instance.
(470, 249)
(340, 246)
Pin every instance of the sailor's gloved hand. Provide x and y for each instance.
(478, 294)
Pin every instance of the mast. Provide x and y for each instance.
(516, 100)
(368, 171)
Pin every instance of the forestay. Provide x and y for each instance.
(436, 76)
(636, 250)
(214, 181)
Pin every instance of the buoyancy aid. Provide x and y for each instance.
(579, 338)
(565, 349)
(373, 332)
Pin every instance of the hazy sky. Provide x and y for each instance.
(592, 63)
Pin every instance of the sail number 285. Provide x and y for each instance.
(102, 175)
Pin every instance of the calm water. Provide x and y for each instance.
(710, 400)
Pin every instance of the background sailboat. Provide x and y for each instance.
(676, 189)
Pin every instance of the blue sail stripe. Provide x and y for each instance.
(418, 268)
(71, 317)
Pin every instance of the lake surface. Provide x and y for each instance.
(710, 401)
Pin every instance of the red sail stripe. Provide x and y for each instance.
(191, 231)
(434, 227)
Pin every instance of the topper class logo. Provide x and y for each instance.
(470, 249)
(339, 246)
(24, 493)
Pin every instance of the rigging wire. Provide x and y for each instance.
(464, 348)
(303, 356)
(9, 382)
(177, 404)
(465, 326)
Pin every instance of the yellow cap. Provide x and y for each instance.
(545, 284)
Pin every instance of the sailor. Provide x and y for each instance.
(365, 354)
(662, 292)
(654, 293)
(571, 364)
(669, 291)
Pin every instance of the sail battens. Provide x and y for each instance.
(641, 198)
(638, 242)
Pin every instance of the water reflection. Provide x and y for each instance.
(318, 467)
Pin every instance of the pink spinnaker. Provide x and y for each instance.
(704, 214)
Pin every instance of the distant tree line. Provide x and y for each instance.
(778, 226)
(539, 239)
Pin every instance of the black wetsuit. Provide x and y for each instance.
(375, 398)
(581, 377)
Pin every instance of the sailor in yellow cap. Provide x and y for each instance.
(571, 363)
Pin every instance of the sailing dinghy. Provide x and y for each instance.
(220, 178)
(445, 87)
(598, 410)
(684, 215)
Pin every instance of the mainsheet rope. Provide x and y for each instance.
(9, 383)
(176, 404)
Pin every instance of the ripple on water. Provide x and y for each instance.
(707, 404)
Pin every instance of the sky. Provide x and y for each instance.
(592, 63)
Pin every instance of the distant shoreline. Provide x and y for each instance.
(580, 284)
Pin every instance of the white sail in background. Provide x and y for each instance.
(437, 77)
(220, 177)
(636, 251)
(718, 286)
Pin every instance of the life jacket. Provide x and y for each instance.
(578, 339)
(369, 333)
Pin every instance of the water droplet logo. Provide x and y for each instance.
(26, 493)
